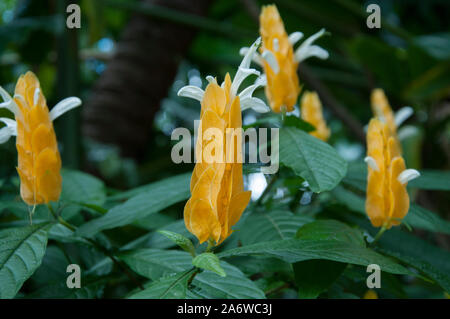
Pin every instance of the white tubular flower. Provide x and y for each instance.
(372, 163)
(244, 70)
(307, 49)
(402, 115)
(408, 175)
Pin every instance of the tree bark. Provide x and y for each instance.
(127, 95)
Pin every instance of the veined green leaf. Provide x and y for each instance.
(21, 253)
(184, 242)
(261, 227)
(156, 263)
(316, 275)
(235, 286)
(329, 229)
(312, 159)
(209, 261)
(79, 187)
(157, 197)
(295, 250)
(172, 287)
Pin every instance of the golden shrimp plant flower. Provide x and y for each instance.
(311, 111)
(383, 111)
(387, 200)
(217, 197)
(39, 162)
(280, 61)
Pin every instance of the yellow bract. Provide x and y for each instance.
(382, 110)
(282, 87)
(311, 109)
(387, 200)
(217, 189)
(39, 162)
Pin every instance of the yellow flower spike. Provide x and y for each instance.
(39, 162)
(217, 197)
(382, 110)
(280, 61)
(311, 111)
(387, 201)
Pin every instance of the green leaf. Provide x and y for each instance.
(156, 263)
(331, 230)
(79, 187)
(295, 250)
(180, 240)
(158, 196)
(314, 276)
(21, 253)
(432, 180)
(295, 121)
(261, 227)
(431, 260)
(209, 261)
(235, 286)
(59, 290)
(312, 159)
(172, 287)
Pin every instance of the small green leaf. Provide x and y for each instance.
(172, 287)
(295, 121)
(331, 230)
(82, 188)
(180, 240)
(209, 261)
(270, 226)
(21, 253)
(312, 159)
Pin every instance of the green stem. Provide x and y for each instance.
(210, 246)
(378, 236)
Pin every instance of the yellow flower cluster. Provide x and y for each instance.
(39, 162)
(218, 197)
(311, 110)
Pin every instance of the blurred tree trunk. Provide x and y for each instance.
(127, 95)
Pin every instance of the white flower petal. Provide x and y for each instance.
(256, 57)
(192, 92)
(294, 37)
(403, 114)
(306, 49)
(64, 106)
(10, 123)
(271, 60)
(249, 54)
(5, 133)
(8, 103)
(407, 175)
(240, 76)
(372, 163)
(254, 103)
(211, 79)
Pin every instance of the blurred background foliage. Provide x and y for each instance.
(130, 57)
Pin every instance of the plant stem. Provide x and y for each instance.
(378, 235)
